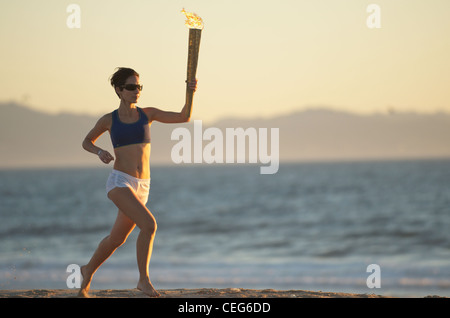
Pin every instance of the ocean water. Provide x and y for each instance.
(311, 226)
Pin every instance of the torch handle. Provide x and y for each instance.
(194, 46)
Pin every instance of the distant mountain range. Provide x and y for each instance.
(29, 138)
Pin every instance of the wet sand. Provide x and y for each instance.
(183, 293)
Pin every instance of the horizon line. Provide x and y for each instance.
(390, 111)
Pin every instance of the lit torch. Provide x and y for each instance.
(195, 25)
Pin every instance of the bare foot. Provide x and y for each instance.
(83, 294)
(147, 288)
(85, 284)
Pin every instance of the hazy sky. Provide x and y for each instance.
(257, 57)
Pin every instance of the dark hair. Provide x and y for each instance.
(120, 76)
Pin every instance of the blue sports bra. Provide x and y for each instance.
(123, 134)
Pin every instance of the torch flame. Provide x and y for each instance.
(193, 21)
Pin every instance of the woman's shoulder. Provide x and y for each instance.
(149, 112)
(107, 116)
(106, 120)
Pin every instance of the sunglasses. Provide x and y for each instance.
(132, 87)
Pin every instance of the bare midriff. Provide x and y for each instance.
(133, 160)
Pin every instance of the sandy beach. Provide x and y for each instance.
(183, 293)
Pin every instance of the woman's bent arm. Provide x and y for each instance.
(88, 144)
(171, 117)
(165, 116)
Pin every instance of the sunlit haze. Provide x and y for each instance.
(257, 58)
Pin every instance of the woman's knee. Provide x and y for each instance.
(149, 226)
(129, 204)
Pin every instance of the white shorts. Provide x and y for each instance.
(119, 179)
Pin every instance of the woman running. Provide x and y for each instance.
(129, 182)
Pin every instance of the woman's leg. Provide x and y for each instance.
(119, 233)
(126, 200)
